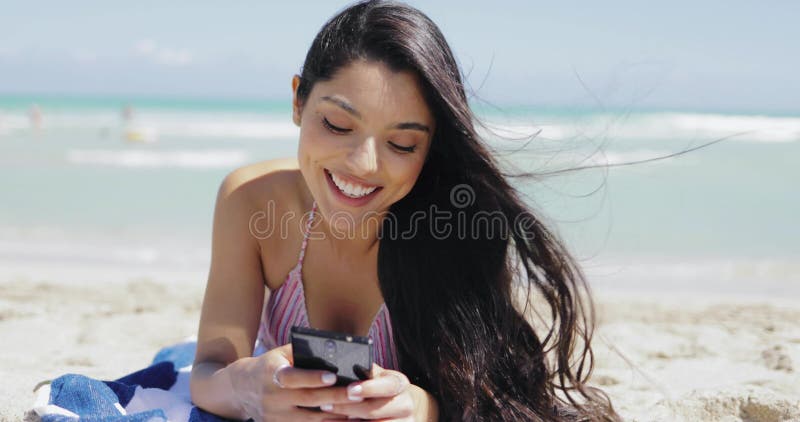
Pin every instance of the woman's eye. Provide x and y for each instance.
(402, 148)
(332, 128)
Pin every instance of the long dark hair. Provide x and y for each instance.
(462, 300)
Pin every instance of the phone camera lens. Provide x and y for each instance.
(330, 348)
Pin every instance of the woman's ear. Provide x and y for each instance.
(297, 108)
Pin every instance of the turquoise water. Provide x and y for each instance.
(98, 103)
(75, 190)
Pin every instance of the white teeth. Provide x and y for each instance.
(351, 190)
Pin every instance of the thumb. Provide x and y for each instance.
(377, 371)
(395, 378)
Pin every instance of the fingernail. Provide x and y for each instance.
(326, 407)
(328, 378)
(353, 392)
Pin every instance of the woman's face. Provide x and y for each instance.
(364, 136)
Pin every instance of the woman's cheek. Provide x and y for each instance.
(321, 140)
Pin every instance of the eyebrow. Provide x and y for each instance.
(413, 126)
(343, 104)
(350, 109)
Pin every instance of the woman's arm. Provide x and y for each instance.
(212, 389)
(232, 304)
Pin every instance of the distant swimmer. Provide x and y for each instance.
(127, 113)
(35, 117)
(133, 132)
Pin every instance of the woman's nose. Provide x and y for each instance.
(363, 159)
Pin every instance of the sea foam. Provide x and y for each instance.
(655, 126)
(211, 158)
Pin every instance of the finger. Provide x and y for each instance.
(387, 383)
(401, 406)
(282, 353)
(315, 397)
(299, 414)
(288, 377)
(279, 359)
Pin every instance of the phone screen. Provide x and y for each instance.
(349, 357)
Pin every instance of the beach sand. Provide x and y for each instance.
(660, 358)
(683, 358)
(102, 331)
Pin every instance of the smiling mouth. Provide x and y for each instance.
(350, 189)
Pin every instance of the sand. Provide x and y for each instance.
(660, 358)
(100, 331)
(699, 359)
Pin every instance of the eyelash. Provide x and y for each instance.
(334, 129)
(342, 131)
(407, 150)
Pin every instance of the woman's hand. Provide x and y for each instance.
(387, 396)
(270, 389)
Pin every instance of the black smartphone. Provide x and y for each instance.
(349, 357)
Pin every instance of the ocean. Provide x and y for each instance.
(92, 195)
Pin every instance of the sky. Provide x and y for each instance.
(710, 55)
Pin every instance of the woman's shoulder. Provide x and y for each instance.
(254, 200)
(256, 185)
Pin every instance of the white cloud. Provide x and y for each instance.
(145, 47)
(163, 55)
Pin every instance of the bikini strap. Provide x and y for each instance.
(305, 234)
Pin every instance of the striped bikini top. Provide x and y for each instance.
(287, 307)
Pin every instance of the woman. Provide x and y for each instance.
(413, 236)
